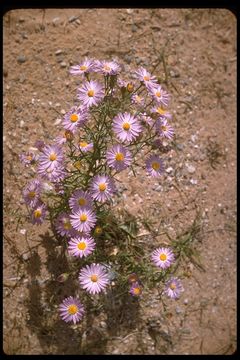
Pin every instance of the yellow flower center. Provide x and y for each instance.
(82, 202)
(136, 291)
(164, 128)
(83, 217)
(90, 93)
(72, 309)
(37, 213)
(52, 156)
(81, 246)
(107, 67)
(102, 187)
(98, 230)
(74, 118)
(31, 194)
(130, 87)
(83, 144)
(138, 98)
(126, 126)
(67, 225)
(146, 78)
(119, 157)
(158, 94)
(155, 165)
(94, 278)
(29, 157)
(161, 111)
(83, 68)
(163, 257)
(172, 286)
(77, 165)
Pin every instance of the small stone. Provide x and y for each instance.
(21, 19)
(185, 301)
(26, 256)
(190, 168)
(138, 61)
(5, 73)
(178, 310)
(134, 28)
(55, 20)
(23, 231)
(193, 181)
(63, 112)
(169, 169)
(63, 64)
(58, 52)
(185, 331)
(21, 59)
(130, 11)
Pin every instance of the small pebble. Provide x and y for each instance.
(190, 168)
(21, 59)
(134, 28)
(5, 73)
(63, 64)
(178, 310)
(21, 19)
(58, 52)
(185, 301)
(23, 231)
(26, 256)
(129, 11)
(72, 18)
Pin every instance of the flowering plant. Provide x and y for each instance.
(115, 121)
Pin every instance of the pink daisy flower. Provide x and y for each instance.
(83, 219)
(86, 66)
(143, 75)
(28, 158)
(75, 118)
(159, 95)
(107, 67)
(161, 111)
(126, 127)
(81, 246)
(163, 257)
(164, 129)
(71, 310)
(85, 147)
(80, 200)
(137, 100)
(91, 93)
(146, 119)
(51, 157)
(94, 278)
(154, 165)
(136, 289)
(38, 214)
(102, 188)
(31, 193)
(62, 139)
(63, 225)
(122, 83)
(173, 288)
(118, 157)
(54, 175)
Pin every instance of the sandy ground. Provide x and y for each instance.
(199, 49)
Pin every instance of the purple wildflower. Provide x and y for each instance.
(75, 118)
(94, 278)
(136, 289)
(86, 66)
(163, 257)
(154, 165)
(91, 93)
(164, 129)
(159, 95)
(107, 67)
(173, 288)
(71, 310)
(28, 158)
(63, 225)
(38, 213)
(126, 127)
(81, 246)
(83, 219)
(31, 193)
(102, 188)
(118, 157)
(80, 199)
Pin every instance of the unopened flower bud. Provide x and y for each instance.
(63, 277)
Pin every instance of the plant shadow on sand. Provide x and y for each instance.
(44, 297)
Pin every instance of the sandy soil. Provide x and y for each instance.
(199, 49)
